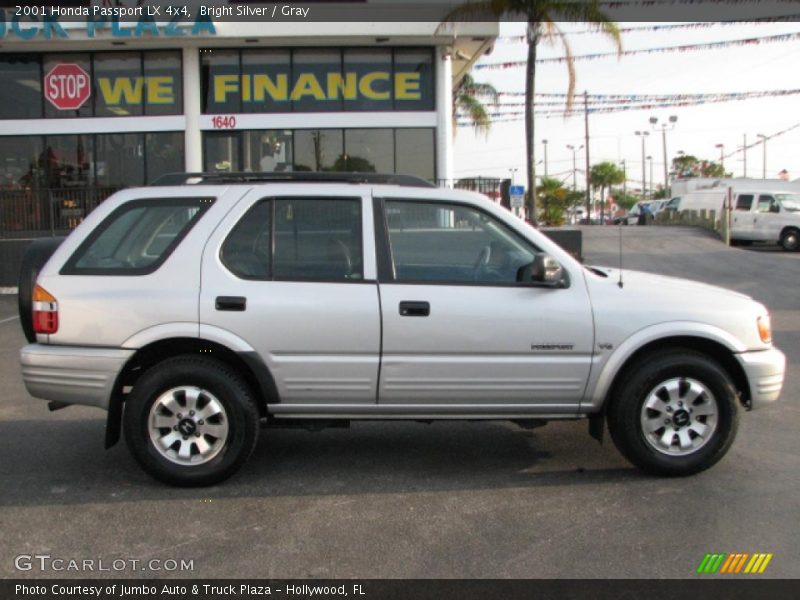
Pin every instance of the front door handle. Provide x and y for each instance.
(234, 303)
(414, 309)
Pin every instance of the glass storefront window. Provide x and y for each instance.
(368, 74)
(220, 79)
(265, 84)
(163, 83)
(123, 84)
(164, 153)
(119, 89)
(120, 159)
(20, 86)
(310, 69)
(22, 162)
(317, 149)
(413, 79)
(222, 151)
(83, 61)
(267, 151)
(367, 151)
(68, 161)
(414, 153)
(404, 151)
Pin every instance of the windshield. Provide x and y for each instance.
(789, 202)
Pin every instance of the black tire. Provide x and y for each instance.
(790, 239)
(219, 382)
(35, 257)
(626, 413)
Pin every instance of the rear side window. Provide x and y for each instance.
(137, 237)
(311, 239)
(744, 201)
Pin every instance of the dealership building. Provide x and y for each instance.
(88, 107)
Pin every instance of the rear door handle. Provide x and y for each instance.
(234, 303)
(414, 309)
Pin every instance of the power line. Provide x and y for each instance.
(516, 115)
(519, 39)
(767, 39)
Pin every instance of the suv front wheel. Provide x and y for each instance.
(676, 413)
(191, 421)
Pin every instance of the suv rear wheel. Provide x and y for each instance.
(191, 421)
(675, 414)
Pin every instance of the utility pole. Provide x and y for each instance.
(721, 156)
(624, 180)
(764, 154)
(586, 143)
(544, 143)
(574, 151)
(673, 119)
(643, 135)
(650, 160)
(744, 153)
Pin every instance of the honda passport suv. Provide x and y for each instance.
(200, 309)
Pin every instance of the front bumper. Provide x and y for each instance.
(765, 371)
(72, 374)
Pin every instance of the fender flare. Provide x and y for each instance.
(600, 385)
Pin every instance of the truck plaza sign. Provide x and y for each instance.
(50, 27)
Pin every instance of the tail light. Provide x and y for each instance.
(45, 311)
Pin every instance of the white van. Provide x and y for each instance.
(766, 216)
(707, 200)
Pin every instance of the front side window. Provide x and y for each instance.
(137, 237)
(450, 243)
(766, 203)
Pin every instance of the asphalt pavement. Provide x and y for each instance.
(446, 500)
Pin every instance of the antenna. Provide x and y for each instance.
(619, 228)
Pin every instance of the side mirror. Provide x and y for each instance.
(544, 271)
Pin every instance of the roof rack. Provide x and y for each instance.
(170, 179)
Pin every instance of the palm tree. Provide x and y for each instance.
(469, 100)
(554, 198)
(603, 175)
(542, 17)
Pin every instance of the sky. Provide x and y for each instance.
(754, 67)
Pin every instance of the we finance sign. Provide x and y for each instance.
(332, 79)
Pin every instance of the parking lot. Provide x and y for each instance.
(445, 500)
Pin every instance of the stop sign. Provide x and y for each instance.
(67, 87)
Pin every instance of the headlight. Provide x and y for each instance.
(765, 329)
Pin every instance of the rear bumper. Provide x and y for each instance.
(71, 374)
(765, 372)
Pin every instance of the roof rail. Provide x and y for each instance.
(170, 179)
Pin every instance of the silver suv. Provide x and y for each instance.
(198, 311)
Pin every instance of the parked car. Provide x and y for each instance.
(634, 215)
(657, 206)
(674, 204)
(199, 310)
